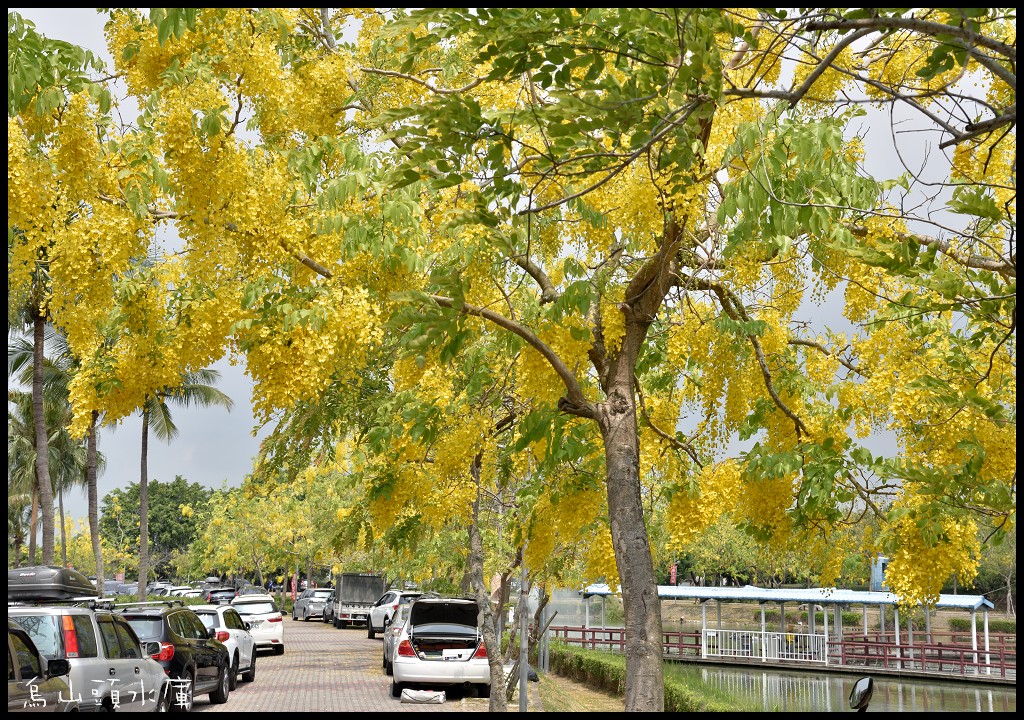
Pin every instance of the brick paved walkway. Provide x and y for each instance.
(324, 668)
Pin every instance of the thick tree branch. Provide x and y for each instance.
(986, 126)
(577, 403)
(548, 292)
(826, 63)
(925, 27)
(825, 351)
(1007, 268)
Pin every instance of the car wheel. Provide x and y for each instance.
(220, 695)
(163, 703)
(337, 624)
(250, 674)
(369, 629)
(305, 617)
(343, 624)
(184, 692)
(294, 616)
(233, 678)
(279, 649)
(389, 668)
(483, 690)
(396, 689)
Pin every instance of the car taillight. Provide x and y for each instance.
(276, 619)
(222, 635)
(481, 650)
(166, 652)
(405, 649)
(70, 636)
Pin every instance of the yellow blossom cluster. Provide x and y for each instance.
(691, 512)
(834, 80)
(820, 367)
(765, 504)
(899, 69)
(457, 445)
(613, 320)
(535, 377)
(564, 519)
(919, 567)
(297, 363)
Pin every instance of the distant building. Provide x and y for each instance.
(878, 566)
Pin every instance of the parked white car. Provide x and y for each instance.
(391, 635)
(441, 644)
(265, 621)
(384, 609)
(233, 631)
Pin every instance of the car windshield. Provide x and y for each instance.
(444, 613)
(321, 594)
(255, 608)
(44, 631)
(146, 628)
(210, 620)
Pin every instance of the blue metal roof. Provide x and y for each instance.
(821, 596)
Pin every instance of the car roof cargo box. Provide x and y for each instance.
(48, 582)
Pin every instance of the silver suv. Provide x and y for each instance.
(110, 669)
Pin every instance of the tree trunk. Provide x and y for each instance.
(645, 689)
(33, 525)
(63, 536)
(497, 702)
(94, 512)
(144, 510)
(42, 441)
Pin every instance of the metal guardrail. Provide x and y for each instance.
(753, 646)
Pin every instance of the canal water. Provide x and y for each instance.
(794, 691)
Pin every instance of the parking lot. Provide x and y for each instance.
(324, 668)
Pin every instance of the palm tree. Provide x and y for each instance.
(31, 312)
(197, 389)
(67, 457)
(58, 370)
(17, 527)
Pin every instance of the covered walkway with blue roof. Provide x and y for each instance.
(826, 645)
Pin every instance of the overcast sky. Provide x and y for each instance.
(213, 445)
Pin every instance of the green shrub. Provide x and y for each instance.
(771, 617)
(917, 615)
(1003, 625)
(607, 671)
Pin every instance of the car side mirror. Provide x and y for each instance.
(860, 695)
(248, 626)
(212, 633)
(56, 668)
(152, 648)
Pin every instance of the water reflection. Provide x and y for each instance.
(808, 692)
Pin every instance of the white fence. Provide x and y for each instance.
(769, 646)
